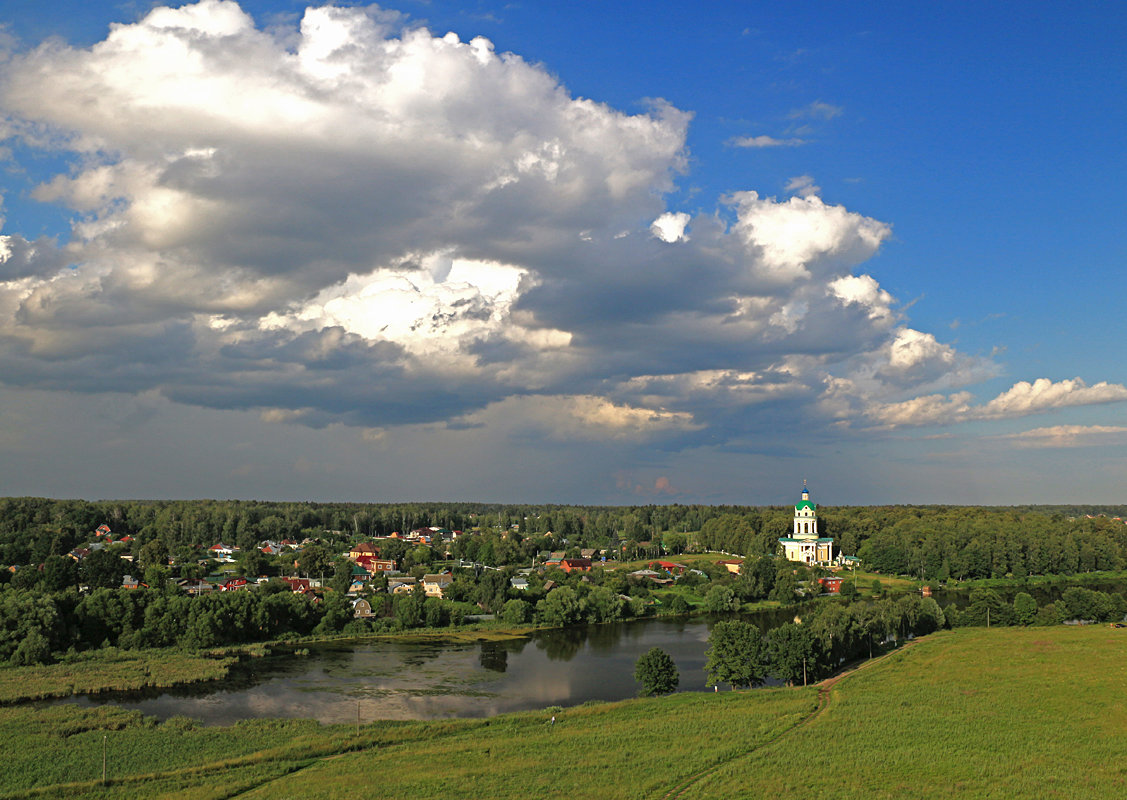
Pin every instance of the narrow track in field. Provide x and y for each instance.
(824, 689)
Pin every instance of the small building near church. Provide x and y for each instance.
(832, 585)
(732, 565)
(804, 544)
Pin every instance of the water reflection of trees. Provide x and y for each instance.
(604, 638)
(494, 656)
(563, 644)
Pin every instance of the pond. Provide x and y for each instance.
(433, 680)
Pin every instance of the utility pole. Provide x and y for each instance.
(358, 718)
(103, 759)
(804, 670)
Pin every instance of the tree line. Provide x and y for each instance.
(940, 542)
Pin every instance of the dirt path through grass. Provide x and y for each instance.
(825, 688)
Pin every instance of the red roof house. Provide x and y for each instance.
(831, 585)
(670, 567)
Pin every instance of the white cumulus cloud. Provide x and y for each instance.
(1022, 399)
(357, 220)
(670, 227)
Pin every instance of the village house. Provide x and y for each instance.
(649, 574)
(363, 550)
(570, 565)
(362, 609)
(434, 585)
(222, 552)
(668, 567)
(298, 585)
(374, 564)
(401, 585)
(359, 578)
(732, 565)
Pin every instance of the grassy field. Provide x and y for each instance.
(865, 581)
(972, 713)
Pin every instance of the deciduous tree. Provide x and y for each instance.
(656, 672)
(735, 654)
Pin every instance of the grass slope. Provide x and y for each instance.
(972, 713)
(975, 713)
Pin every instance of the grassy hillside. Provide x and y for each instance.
(971, 713)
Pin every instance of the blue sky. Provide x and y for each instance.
(609, 253)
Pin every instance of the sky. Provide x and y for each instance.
(592, 253)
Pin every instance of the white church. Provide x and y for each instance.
(804, 544)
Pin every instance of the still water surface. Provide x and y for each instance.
(408, 680)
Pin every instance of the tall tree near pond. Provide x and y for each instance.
(1025, 608)
(560, 607)
(721, 598)
(786, 586)
(656, 672)
(735, 655)
(793, 653)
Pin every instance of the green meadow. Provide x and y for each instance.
(970, 713)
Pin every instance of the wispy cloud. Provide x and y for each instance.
(803, 186)
(817, 110)
(764, 141)
(1070, 436)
